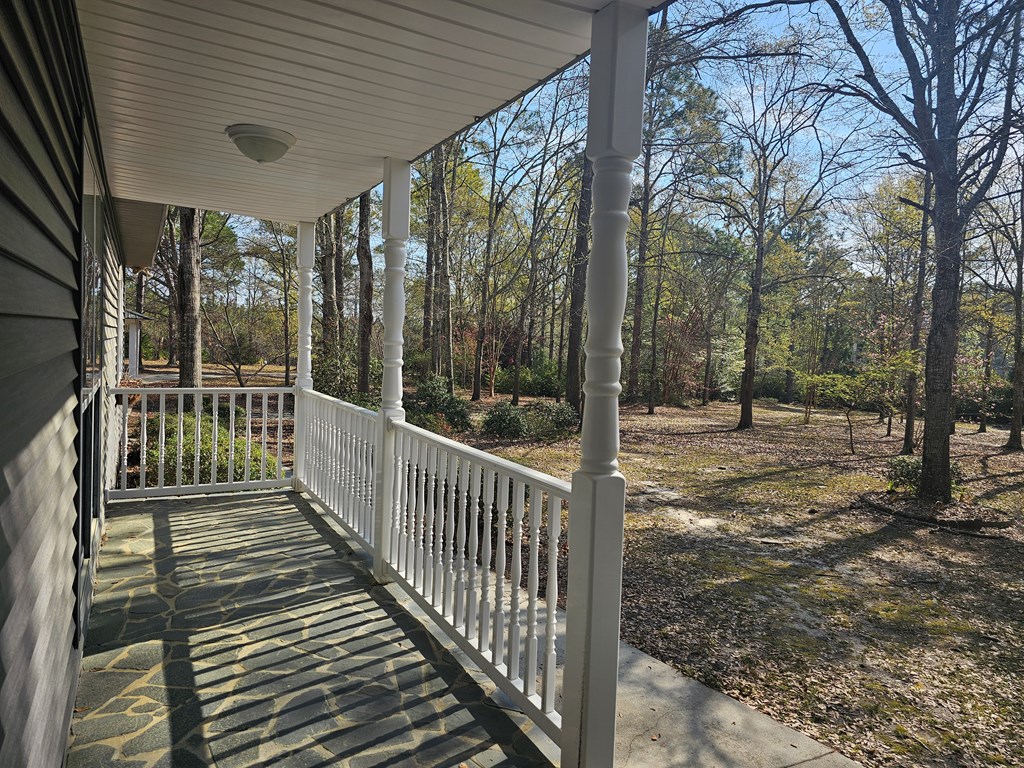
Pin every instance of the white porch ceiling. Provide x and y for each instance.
(354, 80)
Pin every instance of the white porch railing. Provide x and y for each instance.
(339, 443)
(475, 540)
(179, 440)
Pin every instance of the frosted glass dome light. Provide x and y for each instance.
(260, 143)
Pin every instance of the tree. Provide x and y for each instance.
(190, 338)
(578, 289)
(365, 259)
(1002, 221)
(952, 102)
(790, 169)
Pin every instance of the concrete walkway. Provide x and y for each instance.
(666, 719)
(241, 630)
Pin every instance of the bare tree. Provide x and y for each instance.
(790, 169)
(578, 291)
(952, 101)
(190, 339)
(365, 258)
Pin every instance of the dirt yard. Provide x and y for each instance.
(752, 566)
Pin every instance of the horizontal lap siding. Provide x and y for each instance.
(40, 180)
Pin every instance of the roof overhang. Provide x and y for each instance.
(140, 225)
(354, 81)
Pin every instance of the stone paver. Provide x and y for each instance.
(240, 630)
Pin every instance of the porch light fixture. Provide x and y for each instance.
(260, 143)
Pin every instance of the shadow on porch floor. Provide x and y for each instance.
(241, 630)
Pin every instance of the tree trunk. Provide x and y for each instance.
(443, 353)
(190, 347)
(365, 258)
(751, 337)
(941, 348)
(654, 335)
(286, 307)
(917, 314)
(986, 385)
(328, 282)
(705, 397)
(640, 285)
(578, 292)
(525, 308)
(1013, 442)
(429, 278)
(140, 304)
(340, 263)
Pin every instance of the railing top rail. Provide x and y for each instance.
(540, 480)
(342, 403)
(200, 390)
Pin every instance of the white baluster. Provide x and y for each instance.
(263, 446)
(231, 438)
(163, 442)
(448, 608)
(426, 571)
(280, 434)
(532, 587)
(462, 497)
(406, 477)
(439, 528)
(498, 642)
(551, 600)
(514, 617)
(248, 436)
(214, 434)
(474, 536)
(142, 440)
(197, 404)
(181, 437)
(484, 631)
(421, 511)
(125, 407)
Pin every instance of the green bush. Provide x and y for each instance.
(905, 472)
(506, 421)
(188, 440)
(538, 380)
(551, 419)
(433, 407)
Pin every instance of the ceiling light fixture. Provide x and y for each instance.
(259, 143)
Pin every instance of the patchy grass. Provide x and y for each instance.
(750, 566)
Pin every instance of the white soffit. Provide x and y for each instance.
(354, 80)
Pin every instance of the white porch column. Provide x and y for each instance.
(395, 230)
(134, 347)
(597, 510)
(305, 237)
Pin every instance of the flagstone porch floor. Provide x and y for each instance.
(241, 630)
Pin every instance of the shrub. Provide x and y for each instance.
(188, 440)
(506, 421)
(905, 472)
(433, 407)
(551, 419)
(538, 380)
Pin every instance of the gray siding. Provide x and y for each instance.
(41, 106)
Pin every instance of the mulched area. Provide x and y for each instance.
(765, 564)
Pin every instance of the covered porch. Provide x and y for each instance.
(485, 548)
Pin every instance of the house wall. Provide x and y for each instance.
(44, 536)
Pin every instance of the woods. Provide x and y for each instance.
(811, 222)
